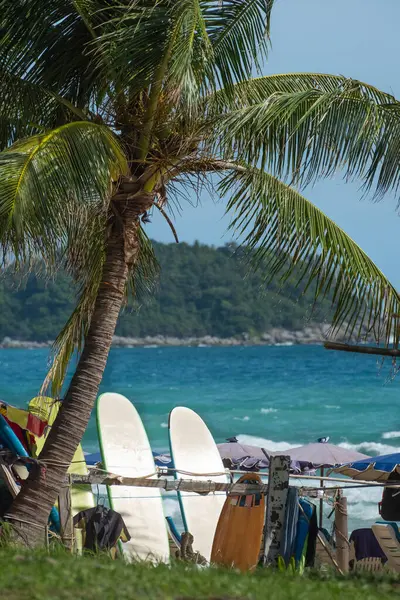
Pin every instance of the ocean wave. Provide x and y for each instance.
(362, 502)
(333, 406)
(252, 440)
(390, 435)
(245, 418)
(371, 448)
(164, 425)
(267, 411)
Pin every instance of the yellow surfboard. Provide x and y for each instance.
(81, 495)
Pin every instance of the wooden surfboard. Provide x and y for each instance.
(238, 537)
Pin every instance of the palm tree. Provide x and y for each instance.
(110, 107)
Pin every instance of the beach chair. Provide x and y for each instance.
(370, 565)
(388, 537)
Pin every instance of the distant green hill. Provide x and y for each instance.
(202, 290)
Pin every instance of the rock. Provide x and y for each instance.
(313, 333)
(10, 343)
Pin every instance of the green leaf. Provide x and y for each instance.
(285, 234)
(135, 38)
(304, 125)
(84, 261)
(27, 109)
(239, 35)
(47, 180)
(191, 52)
(46, 42)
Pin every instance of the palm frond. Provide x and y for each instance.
(285, 233)
(304, 126)
(27, 109)
(143, 279)
(170, 45)
(209, 43)
(47, 43)
(44, 178)
(84, 261)
(135, 38)
(239, 34)
(191, 53)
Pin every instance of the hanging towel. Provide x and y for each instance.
(365, 544)
(303, 526)
(312, 538)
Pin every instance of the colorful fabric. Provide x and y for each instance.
(21, 434)
(24, 419)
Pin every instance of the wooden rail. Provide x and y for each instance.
(96, 477)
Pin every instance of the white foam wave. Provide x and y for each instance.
(332, 406)
(252, 440)
(390, 435)
(362, 502)
(267, 411)
(245, 418)
(371, 448)
(164, 425)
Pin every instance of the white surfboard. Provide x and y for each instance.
(194, 450)
(126, 451)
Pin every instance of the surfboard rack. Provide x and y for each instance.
(98, 477)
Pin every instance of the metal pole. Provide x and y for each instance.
(321, 502)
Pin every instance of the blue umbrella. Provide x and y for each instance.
(377, 468)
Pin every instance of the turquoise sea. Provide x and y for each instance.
(276, 397)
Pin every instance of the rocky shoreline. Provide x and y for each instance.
(312, 334)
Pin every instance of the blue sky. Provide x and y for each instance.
(355, 38)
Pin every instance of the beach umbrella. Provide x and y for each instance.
(322, 455)
(243, 456)
(377, 468)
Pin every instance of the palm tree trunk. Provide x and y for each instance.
(30, 510)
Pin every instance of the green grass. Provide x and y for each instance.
(34, 576)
